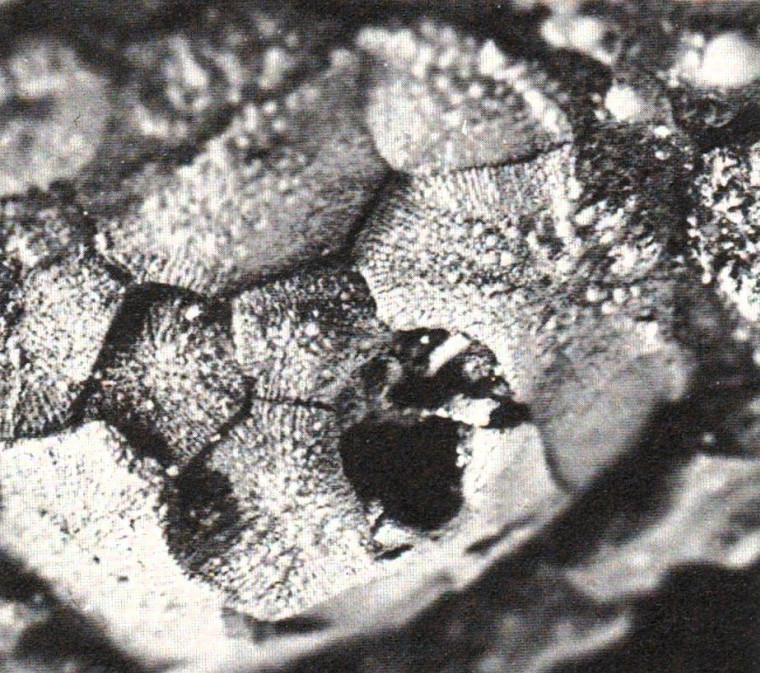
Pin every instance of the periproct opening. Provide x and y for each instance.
(411, 469)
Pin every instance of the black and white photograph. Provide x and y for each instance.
(379, 336)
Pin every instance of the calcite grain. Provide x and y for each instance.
(88, 515)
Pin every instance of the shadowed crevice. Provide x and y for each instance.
(411, 469)
(204, 518)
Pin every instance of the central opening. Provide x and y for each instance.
(410, 468)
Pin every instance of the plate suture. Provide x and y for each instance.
(168, 378)
(283, 184)
(295, 304)
(47, 360)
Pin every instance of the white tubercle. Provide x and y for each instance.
(729, 60)
(449, 349)
(625, 104)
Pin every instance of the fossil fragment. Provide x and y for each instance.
(184, 81)
(299, 533)
(724, 231)
(514, 255)
(39, 228)
(299, 437)
(82, 510)
(593, 35)
(168, 378)
(447, 252)
(283, 184)
(53, 115)
(726, 60)
(51, 342)
(300, 337)
(443, 100)
(715, 102)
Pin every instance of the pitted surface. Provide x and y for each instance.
(320, 290)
